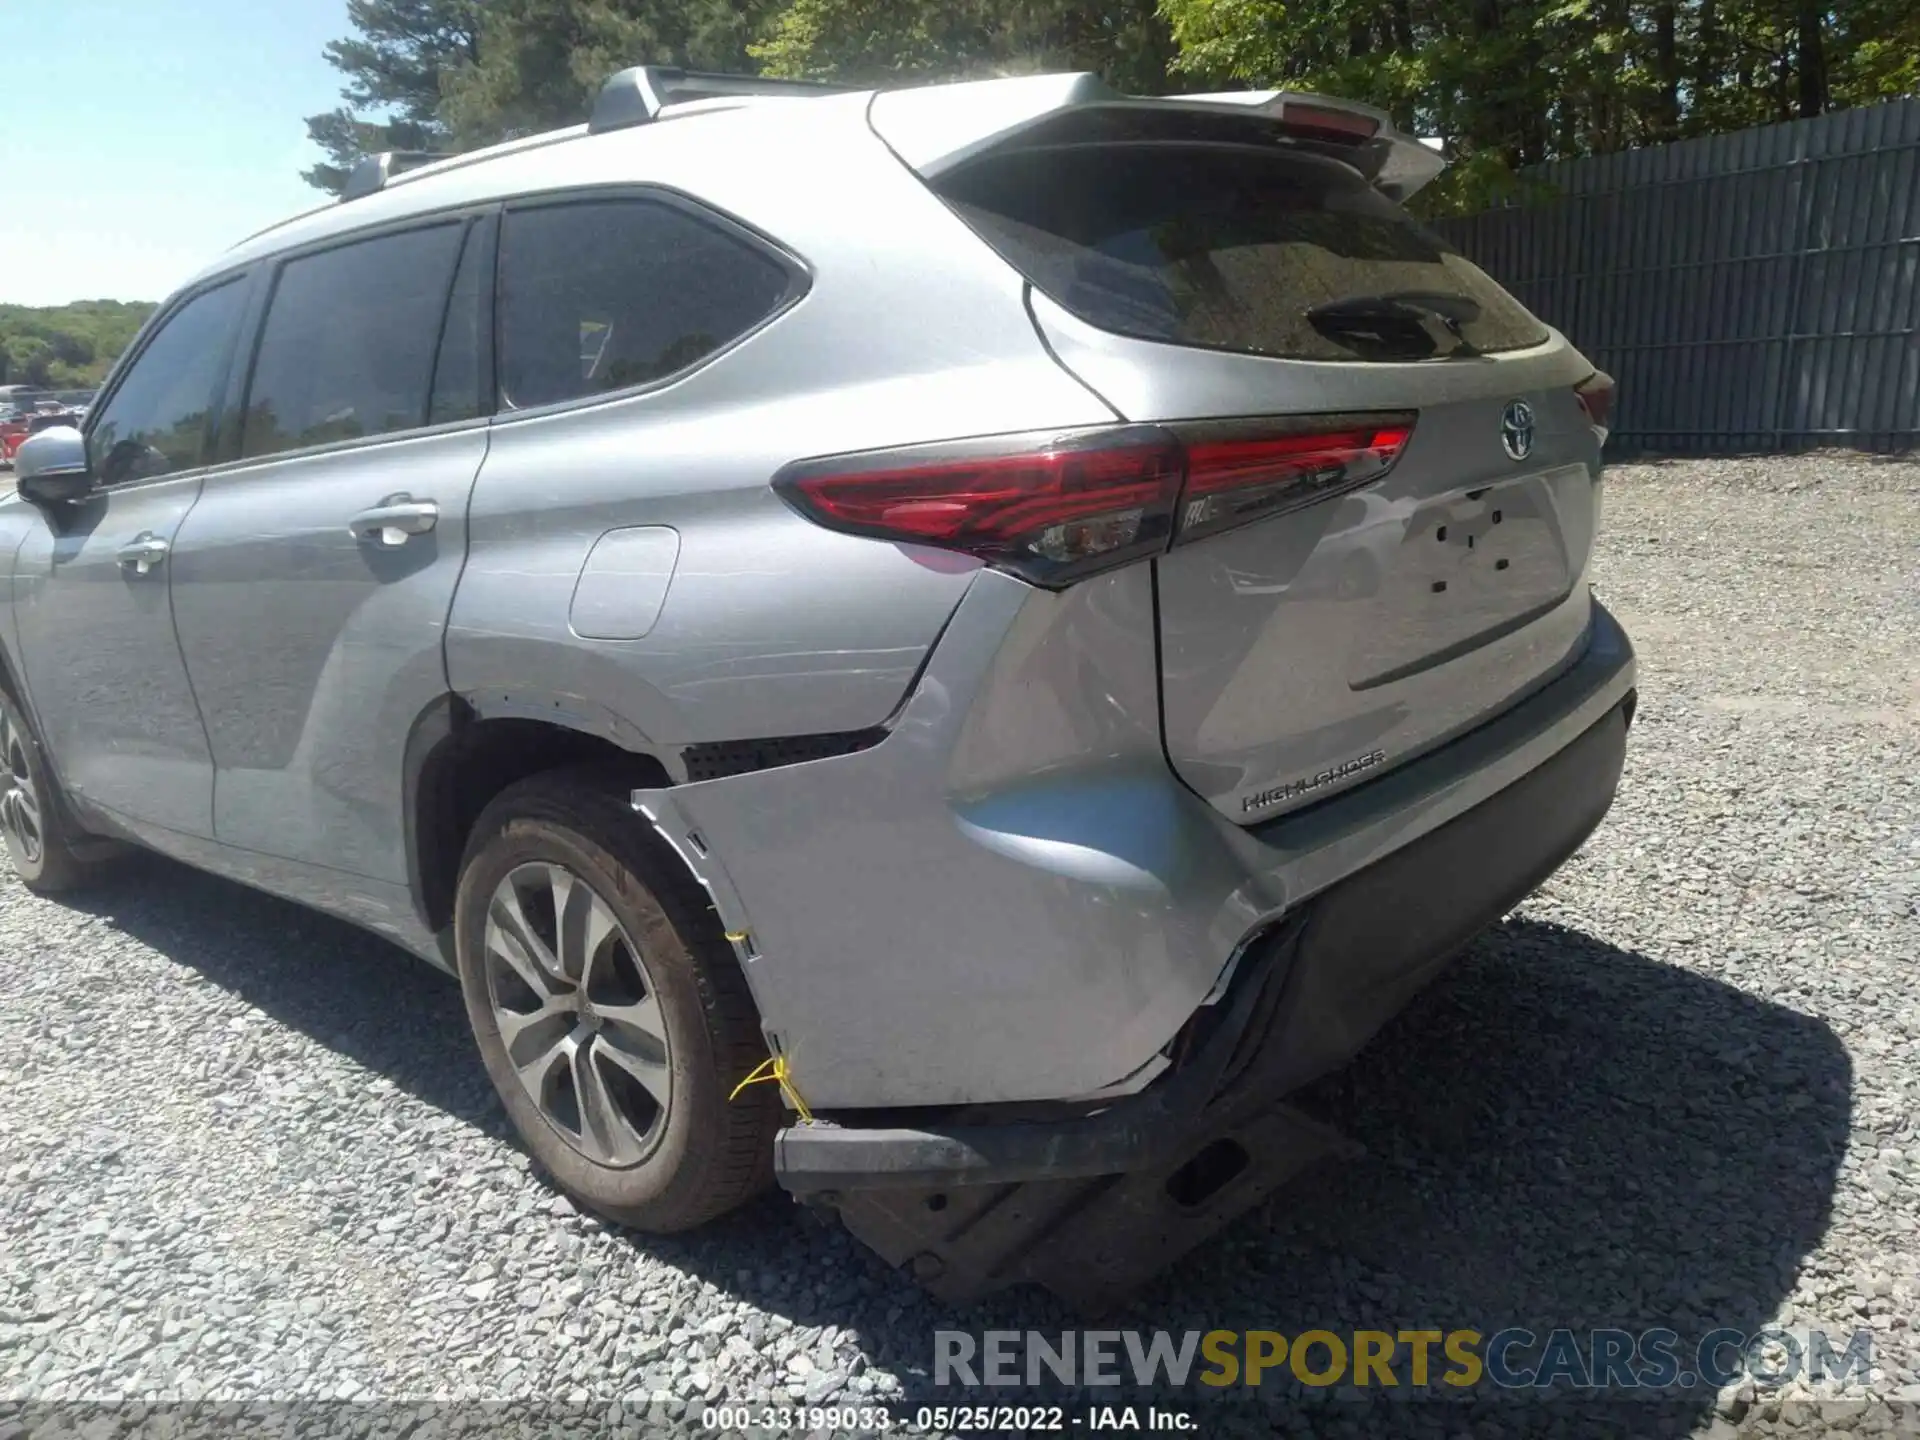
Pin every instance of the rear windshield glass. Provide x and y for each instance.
(1229, 247)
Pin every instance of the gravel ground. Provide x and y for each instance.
(246, 1153)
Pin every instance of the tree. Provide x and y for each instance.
(541, 61)
(1510, 83)
(882, 41)
(1875, 51)
(31, 361)
(395, 65)
(66, 346)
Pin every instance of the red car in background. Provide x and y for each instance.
(13, 430)
(17, 427)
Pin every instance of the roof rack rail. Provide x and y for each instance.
(371, 173)
(636, 96)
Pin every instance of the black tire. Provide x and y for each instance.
(39, 839)
(705, 1154)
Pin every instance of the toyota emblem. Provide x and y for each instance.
(1516, 429)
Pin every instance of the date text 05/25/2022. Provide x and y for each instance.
(948, 1419)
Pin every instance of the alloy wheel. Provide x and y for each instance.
(19, 801)
(578, 1013)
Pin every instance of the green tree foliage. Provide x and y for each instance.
(1508, 83)
(444, 74)
(66, 346)
(875, 41)
(394, 63)
(541, 61)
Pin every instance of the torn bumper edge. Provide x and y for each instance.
(656, 807)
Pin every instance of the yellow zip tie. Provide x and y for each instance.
(736, 936)
(774, 1068)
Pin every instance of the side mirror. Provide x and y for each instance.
(50, 467)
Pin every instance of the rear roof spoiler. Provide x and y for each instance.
(936, 128)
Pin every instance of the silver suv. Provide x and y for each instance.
(1028, 619)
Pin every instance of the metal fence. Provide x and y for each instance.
(1752, 291)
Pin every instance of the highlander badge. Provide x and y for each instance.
(1292, 788)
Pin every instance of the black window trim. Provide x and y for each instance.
(483, 235)
(248, 278)
(272, 267)
(799, 282)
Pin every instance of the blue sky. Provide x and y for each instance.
(140, 138)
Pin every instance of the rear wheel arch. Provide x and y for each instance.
(459, 757)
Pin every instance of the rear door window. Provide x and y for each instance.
(1233, 247)
(605, 295)
(347, 350)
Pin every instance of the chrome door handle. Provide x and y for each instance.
(395, 520)
(143, 552)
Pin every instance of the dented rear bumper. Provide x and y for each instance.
(971, 1207)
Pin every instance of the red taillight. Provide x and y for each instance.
(1236, 477)
(1329, 121)
(1050, 508)
(1053, 508)
(1595, 394)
